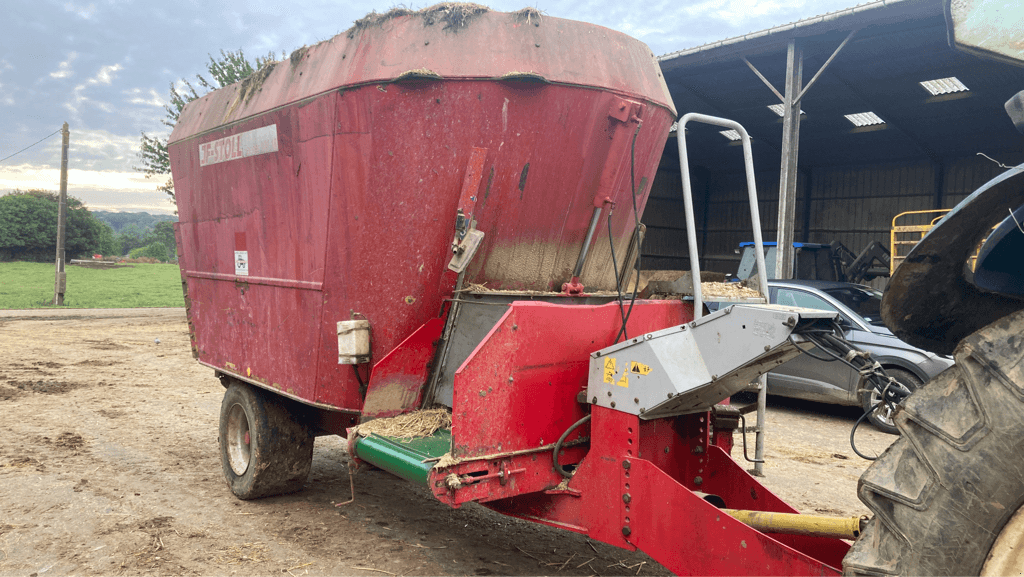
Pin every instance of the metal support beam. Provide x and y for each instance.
(763, 79)
(825, 65)
(790, 153)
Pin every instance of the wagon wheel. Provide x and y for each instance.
(265, 449)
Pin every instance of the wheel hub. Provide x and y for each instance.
(884, 412)
(1007, 554)
(238, 440)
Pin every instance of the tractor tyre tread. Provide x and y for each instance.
(942, 492)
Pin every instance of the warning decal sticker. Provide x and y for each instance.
(639, 368)
(609, 369)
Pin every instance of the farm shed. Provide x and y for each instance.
(894, 121)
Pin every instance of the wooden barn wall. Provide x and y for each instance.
(853, 204)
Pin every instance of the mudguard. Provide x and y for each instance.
(934, 300)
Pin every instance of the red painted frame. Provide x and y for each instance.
(636, 482)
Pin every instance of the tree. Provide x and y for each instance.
(28, 227)
(156, 250)
(163, 232)
(130, 238)
(231, 67)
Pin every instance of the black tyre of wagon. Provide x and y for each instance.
(265, 448)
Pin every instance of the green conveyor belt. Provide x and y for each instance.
(404, 457)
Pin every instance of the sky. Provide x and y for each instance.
(106, 66)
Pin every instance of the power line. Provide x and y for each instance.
(30, 146)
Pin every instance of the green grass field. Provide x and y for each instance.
(26, 285)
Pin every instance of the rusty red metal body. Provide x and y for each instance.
(331, 186)
(337, 175)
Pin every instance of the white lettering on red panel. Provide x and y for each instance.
(251, 143)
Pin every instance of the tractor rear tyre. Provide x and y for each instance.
(265, 448)
(881, 417)
(949, 486)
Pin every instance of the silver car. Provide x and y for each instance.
(834, 382)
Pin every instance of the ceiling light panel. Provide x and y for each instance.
(944, 86)
(864, 119)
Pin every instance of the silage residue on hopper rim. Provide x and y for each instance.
(727, 289)
(412, 425)
(454, 16)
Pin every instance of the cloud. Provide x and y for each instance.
(148, 98)
(98, 189)
(5, 95)
(64, 69)
(105, 76)
(83, 12)
(26, 176)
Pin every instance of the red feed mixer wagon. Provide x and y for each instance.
(438, 209)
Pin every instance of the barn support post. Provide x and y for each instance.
(790, 154)
(794, 93)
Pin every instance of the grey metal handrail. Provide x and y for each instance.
(691, 232)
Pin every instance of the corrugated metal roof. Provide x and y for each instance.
(898, 45)
(793, 29)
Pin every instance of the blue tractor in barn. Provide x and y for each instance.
(948, 495)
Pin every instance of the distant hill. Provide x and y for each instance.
(143, 220)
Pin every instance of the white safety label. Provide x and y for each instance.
(242, 262)
(250, 143)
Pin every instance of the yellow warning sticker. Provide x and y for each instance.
(609, 369)
(639, 368)
(624, 381)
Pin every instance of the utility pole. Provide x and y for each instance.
(60, 282)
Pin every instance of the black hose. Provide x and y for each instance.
(853, 431)
(558, 447)
(812, 355)
(838, 349)
(615, 269)
(636, 228)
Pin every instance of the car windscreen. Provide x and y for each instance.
(864, 301)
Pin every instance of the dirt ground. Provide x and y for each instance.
(109, 466)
